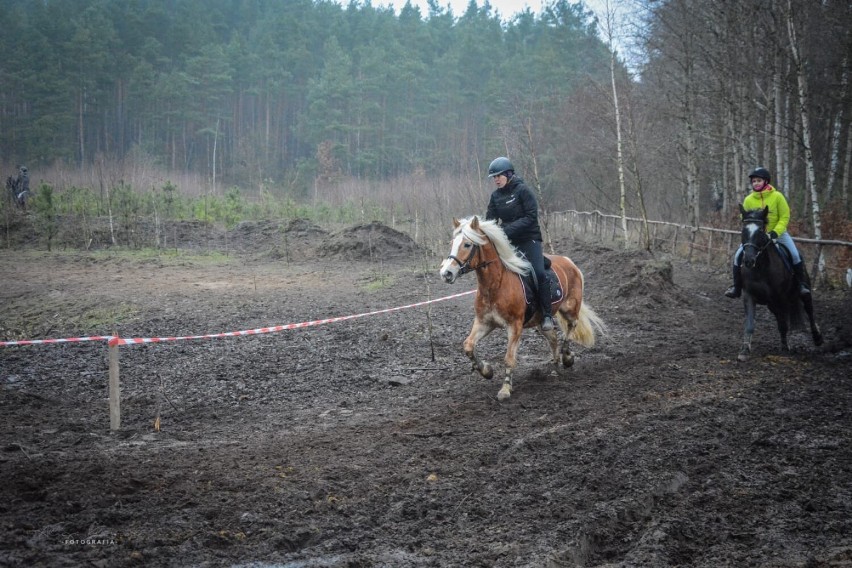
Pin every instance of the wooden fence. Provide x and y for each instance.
(715, 247)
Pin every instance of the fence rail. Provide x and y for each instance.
(715, 246)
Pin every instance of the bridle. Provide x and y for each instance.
(759, 248)
(465, 266)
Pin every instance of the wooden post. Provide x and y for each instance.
(114, 390)
(693, 234)
(710, 249)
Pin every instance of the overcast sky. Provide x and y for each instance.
(506, 8)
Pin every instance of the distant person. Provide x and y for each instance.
(22, 187)
(514, 205)
(23, 180)
(764, 195)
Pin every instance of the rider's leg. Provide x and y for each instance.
(798, 267)
(532, 251)
(736, 290)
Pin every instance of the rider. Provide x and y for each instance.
(22, 191)
(514, 205)
(764, 195)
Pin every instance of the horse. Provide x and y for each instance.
(17, 192)
(767, 281)
(483, 248)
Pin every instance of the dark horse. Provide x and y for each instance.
(769, 282)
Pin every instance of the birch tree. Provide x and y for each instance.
(609, 18)
(802, 83)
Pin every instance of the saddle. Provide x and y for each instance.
(531, 292)
(785, 255)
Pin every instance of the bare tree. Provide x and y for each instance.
(834, 159)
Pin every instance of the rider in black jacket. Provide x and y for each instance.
(514, 205)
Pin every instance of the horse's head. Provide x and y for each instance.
(476, 245)
(467, 240)
(754, 237)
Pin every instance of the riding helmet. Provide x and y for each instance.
(760, 172)
(499, 166)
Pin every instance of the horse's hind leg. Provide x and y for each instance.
(567, 324)
(809, 309)
(477, 332)
(553, 342)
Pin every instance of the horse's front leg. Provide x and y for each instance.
(514, 331)
(477, 332)
(748, 331)
(783, 321)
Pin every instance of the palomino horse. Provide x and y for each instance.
(482, 247)
(767, 281)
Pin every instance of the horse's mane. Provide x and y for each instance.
(753, 215)
(507, 253)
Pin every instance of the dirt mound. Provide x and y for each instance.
(650, 281)
(370, 241)
(296, 241)
(645, 280)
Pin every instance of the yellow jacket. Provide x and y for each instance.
(779, 210)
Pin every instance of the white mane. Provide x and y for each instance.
(507, 253)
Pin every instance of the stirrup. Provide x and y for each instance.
(804, 290)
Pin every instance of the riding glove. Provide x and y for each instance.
(773, 235)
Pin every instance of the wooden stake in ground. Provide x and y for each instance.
(114, 389)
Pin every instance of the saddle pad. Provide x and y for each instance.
(530, 296)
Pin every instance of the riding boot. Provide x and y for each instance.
(737, 289)
(799, 271)
(547, 323)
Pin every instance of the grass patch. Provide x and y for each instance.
(163, 256)
(49, 320)
(379, 282)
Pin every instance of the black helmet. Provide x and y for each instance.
(499, 166)
(760, 172)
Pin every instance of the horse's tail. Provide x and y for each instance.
(588, 323)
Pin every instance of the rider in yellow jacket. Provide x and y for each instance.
(764, 195)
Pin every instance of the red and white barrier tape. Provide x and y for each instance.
(66, 340)
(112, 340)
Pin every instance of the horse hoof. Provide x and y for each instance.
(818, 340)
(486, 371)
(742, 357)
(567, 360)
(504, 393)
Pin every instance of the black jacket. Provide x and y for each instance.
(517, 209)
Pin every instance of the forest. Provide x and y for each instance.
(652, 108)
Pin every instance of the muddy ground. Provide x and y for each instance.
(369, 442)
